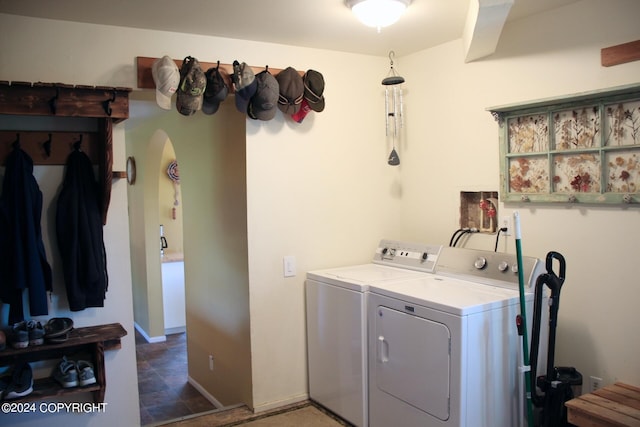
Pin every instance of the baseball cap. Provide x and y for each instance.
(302, 112)
(262, 105)
(193, 83)
(245, 85)
(216, 90)
(313, 89)
(291, 90)
(166, 77)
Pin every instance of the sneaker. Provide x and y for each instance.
(5, 380)
(66, 373)
(19, 335)
(36, 333)
(85, 373)
(21, 382)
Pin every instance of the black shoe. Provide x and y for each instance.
(21, 382)
(5, 381)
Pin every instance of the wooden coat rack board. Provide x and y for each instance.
(108, 105)
(50, 148)
(145, 78)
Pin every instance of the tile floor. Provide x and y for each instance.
(302, 414)
(166, 396)
(164, 391)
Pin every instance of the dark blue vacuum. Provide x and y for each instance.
(557, 383)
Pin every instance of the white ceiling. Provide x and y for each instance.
(324, 24)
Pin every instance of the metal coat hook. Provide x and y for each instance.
(78, 144)
(47, 146)
(107, 104)
(53, 102)
(16, 143)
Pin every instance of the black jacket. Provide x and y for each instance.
(79, 232)
(23, 262)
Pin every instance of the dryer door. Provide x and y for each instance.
(413, 360)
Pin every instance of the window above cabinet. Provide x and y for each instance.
(583, 148)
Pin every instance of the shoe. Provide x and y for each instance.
(66, 373)
(36, 333)
(19, 335)
(5, 380)
(57, 329)
(85, 373)
(21, 382)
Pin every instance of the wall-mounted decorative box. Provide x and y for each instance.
(583, 148)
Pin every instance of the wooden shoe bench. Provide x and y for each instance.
(91, 340)
(614, 405)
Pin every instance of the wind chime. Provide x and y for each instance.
(174, 176)
(393, 108)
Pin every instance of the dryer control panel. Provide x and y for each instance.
(414, 256)
(491, 268)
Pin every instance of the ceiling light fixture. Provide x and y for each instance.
(377, 13)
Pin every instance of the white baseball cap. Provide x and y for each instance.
(166, 76)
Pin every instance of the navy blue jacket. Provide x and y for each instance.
(23, 262)
(79, 232)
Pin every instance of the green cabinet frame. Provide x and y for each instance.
(583, 148)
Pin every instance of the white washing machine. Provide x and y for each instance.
(337, 324)
(444, 348)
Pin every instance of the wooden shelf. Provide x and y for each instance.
(63, 100)
(92, 340)
(615, 405)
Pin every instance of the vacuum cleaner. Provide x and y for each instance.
(557, 384)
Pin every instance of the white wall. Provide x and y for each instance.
(320, 190)
(453, 146)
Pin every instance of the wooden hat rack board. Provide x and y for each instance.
(145, 77)
(108, 105)
(259, 91)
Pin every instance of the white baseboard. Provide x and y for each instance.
(205, 393)
(280, 403)
(161, 338)
(176, 330)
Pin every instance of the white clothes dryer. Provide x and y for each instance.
(337, 325)
(444, 350)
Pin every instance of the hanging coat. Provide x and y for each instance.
(23, 262)
(79, 232)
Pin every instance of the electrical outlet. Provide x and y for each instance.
(506, 223)
(594, 384)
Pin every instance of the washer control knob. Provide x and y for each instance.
(514, 268)
(480, 263)
(503, 266)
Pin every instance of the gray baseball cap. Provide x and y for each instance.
(263, 104)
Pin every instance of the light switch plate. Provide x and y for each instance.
(289, 265)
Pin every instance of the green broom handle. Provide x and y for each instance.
(523, 314)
